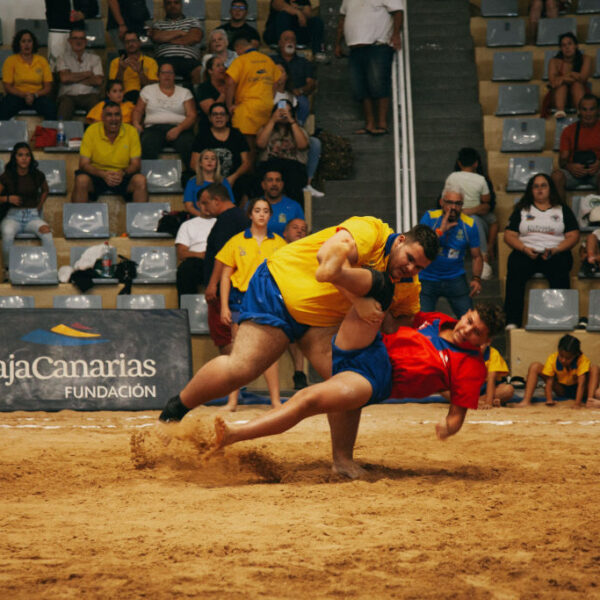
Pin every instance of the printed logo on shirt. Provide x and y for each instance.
(242, 252)
(282, 218)
(460, 235)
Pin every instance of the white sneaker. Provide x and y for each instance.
(486, 272)
(510, 327)
(313, 192)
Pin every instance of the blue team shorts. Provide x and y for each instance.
(235, 303)
(372, 362)
(263, 304)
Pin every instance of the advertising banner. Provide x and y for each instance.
(53, 359)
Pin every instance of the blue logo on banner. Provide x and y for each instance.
(75, 334)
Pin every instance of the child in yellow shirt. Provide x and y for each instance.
(114, 92)
(495, 391)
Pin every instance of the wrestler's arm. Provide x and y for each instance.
(339, 250)
(391, 323)
(452, 423)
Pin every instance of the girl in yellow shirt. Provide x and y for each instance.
(114, 92)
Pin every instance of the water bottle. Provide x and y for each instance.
(61, 139)
(106, 261)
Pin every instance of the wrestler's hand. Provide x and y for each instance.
(369, 310)
(226, 316)
(441, 430)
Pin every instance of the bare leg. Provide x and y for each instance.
(82, 188)
(138, 187)
(382, 110)
(577, 92)
(492, 237)
(272, 377)
(369, 111)
(593, 391)
(560, 182)
(504, 392)
(232, 399)
(560, 97)
(535, 370)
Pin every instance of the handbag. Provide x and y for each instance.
(582, 157)
(44, 137)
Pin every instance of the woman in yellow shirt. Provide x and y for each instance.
(27, 79)
(114, 92)
(241, 256)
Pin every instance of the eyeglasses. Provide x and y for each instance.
(458, 203)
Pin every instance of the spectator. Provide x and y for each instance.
(283, 209)
(592, 247)
(283, 146)
(23, 186)
(237, 25)
(240, 257)
(541, 231)
(495, 391)
(217, 46)
(81, 76)
(169, 113)
(445, 276)
(250, 84)
(133, 68)
(126, 16)
(110, 160)
(27, 79)
(476, 202)
(295, 229)
(296, 15)
(62, 16)
(190, 244)
(210, 91)
(230, 147)
(114, 93)
(568, 73)
(579, 155)
(301, 80)
(536, 9)
(372, 31)
(177, 39)
(208, 171)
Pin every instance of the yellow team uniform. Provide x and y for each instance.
(495, 363)
(131, 80)
(244, 254)
(29, 78)
(110, 156)
(317, 304)
(95, 113)
(254, 74)
(566, 375)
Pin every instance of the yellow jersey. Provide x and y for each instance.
(131, 79)
(566, 375)
(495, 363)
(107, 155)
(95, 113)
(29, 78)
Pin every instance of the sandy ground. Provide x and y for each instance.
(92, 505)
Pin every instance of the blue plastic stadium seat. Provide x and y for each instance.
(512, 66)
(194, 8)
(549, 30)
(75, 255)
(560, 124)
(143, 217)
(4, 54)
(12, 132)
(197, 309)
(150, 7)
(523, 135)
(251, 15)
(593, 36)
(594, 311)
(499, 8)
(518, 100)
(83, 220)
(520, 171)
(548, 55)
(163, 176)
(505, 32)
(77, 301)
(56, 175)
(585, 7)
(32, 265)
(39, 27)
(141, 301)
(94, 33)
(155, 264)
(553, 310)
(17, 302)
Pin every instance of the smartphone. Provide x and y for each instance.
(282, 104)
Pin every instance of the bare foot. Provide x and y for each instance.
(550, 403)
(221, 434)
(441, 431)
(229, 407)
(348, 468)
(593, 403)
(521, 404)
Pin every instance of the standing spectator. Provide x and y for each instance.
(114, 93)
(177, 39)
(237, 25)
(110, 159)
(81, 76)
(283, 209)
(579, 155)
(229, 145)
(210, 91)
(126, 16)
(536, 9)
(297, 16)
(168, 112)
(372, 30)
(445, 276)
(23, 186)
(62, 16)
(218, 46)
(27, 79)
(133, 68)
(541, 231)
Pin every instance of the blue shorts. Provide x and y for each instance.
(570, 391)
(263, 304)
(371, 71)
(372, 362)
(235, 303)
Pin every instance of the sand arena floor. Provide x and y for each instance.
(93, 506)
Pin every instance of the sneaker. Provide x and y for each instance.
(487, 273)
(560, 114)
(510, 327)
(300, 381)
(313, 192)
(321, 57)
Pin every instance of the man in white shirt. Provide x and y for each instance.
(372, 30)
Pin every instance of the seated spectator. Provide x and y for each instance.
(250, 85)
(230, 147)
(168, 112)
(177, 41)
(210, 91)
(126, 16)
(476, 202)
(81, 76)
(568, 73)
(190, 245)
(296, 15)
(110, 160)
(27, 79)
(300, 80)
(541, 231)
(579, 155)
(283, 145)
(237, 25)
(208, 171)
(217, 46)
(283, 209)
(114, 93)
(537, 8)
(62, 16)
(295, 229)
(133, 68)
(23, 186)
(592, 247)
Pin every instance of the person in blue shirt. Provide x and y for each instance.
(445, 276)
(284, 209)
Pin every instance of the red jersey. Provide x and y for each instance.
(423, 363)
